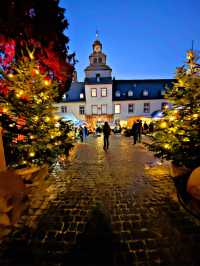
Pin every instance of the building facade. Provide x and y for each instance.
(102, 98)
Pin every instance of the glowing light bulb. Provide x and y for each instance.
(5, 110)
(195, 116)
(47, 82)
(32, 154)
(186, 139)
(166, 146)
(163, 124)
(11, 75)
(47, 118)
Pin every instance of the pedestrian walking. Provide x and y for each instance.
(140, 129)
(85, 133)
(146, 128)
(81, 134)
(135, 132)
(106, 134)
(151, 127)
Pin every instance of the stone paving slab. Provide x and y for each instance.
(109, 208)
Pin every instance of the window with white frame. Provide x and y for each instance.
(146, 107)
(131, 108)
(94, 109)
(145, 92)
(130, 93)
(104, 109)
(64, 109)
(117, 94)
(93, 92)
(81, 109)
(117, 108)
(103, 92)
(81, 95)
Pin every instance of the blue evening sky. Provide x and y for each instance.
(142, 38)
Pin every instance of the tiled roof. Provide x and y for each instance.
(153, 86)
(73, 95)
(98, 67)
(103, 80)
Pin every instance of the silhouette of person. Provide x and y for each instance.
(135, 132)
(106, 133)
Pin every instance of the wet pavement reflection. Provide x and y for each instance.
(107, 208)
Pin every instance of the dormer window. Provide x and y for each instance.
(64, 96)
(162, 92)
(130, 93)
(117, 94)
(145, 92)
(81, 95)
(98, 77)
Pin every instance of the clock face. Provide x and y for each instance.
(97, 48)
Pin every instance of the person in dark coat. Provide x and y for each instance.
(140, 129)
(135, 132)
(146, 128)
(106, 133)
(151, 127)
(81, 134)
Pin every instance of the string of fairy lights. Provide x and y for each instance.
(31, 129)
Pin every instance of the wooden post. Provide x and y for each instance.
(2, 156)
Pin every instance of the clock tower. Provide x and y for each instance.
(97, 67)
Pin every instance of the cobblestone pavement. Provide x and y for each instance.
(109, 208)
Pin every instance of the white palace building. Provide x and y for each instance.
(102, 98)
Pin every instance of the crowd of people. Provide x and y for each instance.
(138, 128)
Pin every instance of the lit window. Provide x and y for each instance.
(94, 109)
(81, 95)
(93, 92)
(81, 110)
(104, 109)
(130, 93)
(146, 107)
(103, 92)
(131, 108)
(117, 93)
(117, 108)
(64, 109)
(145, 93)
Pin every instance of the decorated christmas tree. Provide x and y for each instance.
(40, 25)
(31, 130)
(177, 136)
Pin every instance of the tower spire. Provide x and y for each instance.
(192, 45)
(97, 35)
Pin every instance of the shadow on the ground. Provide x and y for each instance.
(98, 246)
